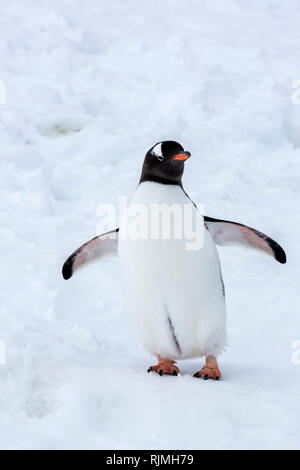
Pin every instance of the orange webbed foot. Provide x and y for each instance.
(165, 367)
(209, 373)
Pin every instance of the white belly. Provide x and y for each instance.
(174, 295)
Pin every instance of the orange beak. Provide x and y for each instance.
(182, 156)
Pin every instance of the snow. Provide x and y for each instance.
(90, 87)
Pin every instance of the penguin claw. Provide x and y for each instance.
(208, 373)
(165, 367)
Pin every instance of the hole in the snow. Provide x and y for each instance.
(63, 127)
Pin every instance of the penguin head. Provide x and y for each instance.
(164, 163)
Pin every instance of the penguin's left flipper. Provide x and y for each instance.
(226, 233)
(104, 244)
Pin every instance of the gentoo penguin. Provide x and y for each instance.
(175, 292)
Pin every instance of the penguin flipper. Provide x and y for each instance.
(104, 244)
(226, 233)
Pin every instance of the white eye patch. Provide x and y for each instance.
(157, 151)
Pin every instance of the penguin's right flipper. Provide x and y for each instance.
(104, 244)
(226, 233)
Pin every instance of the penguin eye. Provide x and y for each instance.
(157, 152)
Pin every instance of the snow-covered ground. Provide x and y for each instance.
(90, 86)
